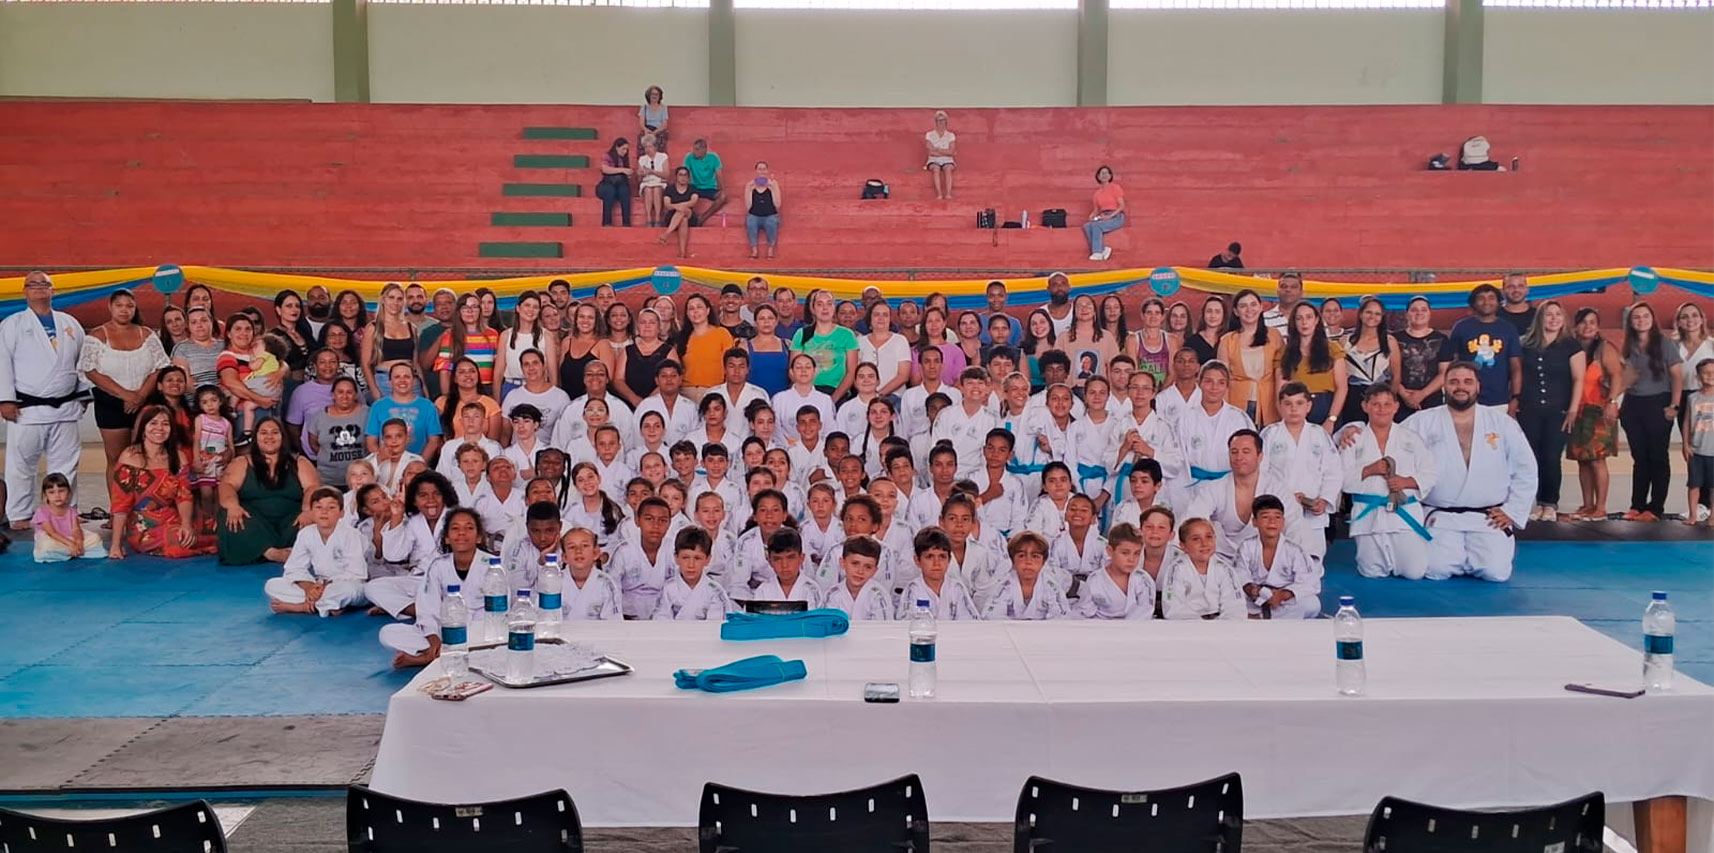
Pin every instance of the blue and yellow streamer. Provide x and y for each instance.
(82, 287)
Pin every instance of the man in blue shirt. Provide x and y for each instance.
(1493, 345)
(704, 166)
(418, 414)
(996, 294)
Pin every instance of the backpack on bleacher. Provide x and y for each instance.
(1474, 156)
(874, 188)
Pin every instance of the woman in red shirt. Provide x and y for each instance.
(1108, 215)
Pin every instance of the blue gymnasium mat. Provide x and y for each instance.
(163, 638)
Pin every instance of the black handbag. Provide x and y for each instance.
(986, 218)
(874, 188)
(1053, 217)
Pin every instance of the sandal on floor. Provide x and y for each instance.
(95, 514)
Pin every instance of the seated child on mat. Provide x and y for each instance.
(59, 534)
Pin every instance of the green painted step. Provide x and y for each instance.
(520, 250)
(567, 190)
(550, 161)
(559, 133)
(552, 220)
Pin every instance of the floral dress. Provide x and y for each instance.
(1593, 436)
(150, 498)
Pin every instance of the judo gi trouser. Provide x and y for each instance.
(1401, 554)
(393, 594)
(1487, 554)
(404, 638)
(25, 446)
(338, 595)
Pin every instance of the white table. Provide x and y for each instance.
(1459, 712)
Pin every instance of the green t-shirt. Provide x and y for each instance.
(830, 351)
(703, 170)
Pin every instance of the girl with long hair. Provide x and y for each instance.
(1309, 357)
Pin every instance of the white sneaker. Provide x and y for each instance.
(1095, 257)
(1701, 513)
(1107, 253)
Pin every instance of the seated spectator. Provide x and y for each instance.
(763, 209)
(704, 166)
(59, 534)
(1108, 214)
(652, 177)
(652, 118)
(615, 187)
(150, 493)
(942, 148)
(1228, 260)
(262, 496)
(680, 199)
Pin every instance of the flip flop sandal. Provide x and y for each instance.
(96, 514)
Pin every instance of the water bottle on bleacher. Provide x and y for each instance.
(1658, 627)
(549, 586)
(495, 589)
(521, 639)
(454, 634)
(923, 636)
(1348, 645)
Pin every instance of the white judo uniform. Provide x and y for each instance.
(641, 579)
(952, 602)
(431, 592)
(1068, 558)
(1189, 594)
(1308, 464)
(967, 431)
(1006, 512)
(1160, 433)
(1101, 597)
(705, 602)
(680, 422)
(873, 602)
(913, 408)
(1047, 517)
(571, 428)
(750, 565)
(596, 598)
(447, 466)
(1292, 569)
(407, 549)
(1048, 601)
(1202, 437)
(1089, 453)
(1389, 542)
(818, 541)
(41, 376)
(1217, 501)
(803, 589)
(340, 561)
(1501, 473)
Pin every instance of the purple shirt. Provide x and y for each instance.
(306, 398)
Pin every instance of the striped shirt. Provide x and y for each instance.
(479, 348)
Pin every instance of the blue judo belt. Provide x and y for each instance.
(1124, 478)
(1023, 469)
(1370, 503)
(1203, 475)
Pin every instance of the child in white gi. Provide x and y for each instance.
(1301, 455)
(1280, 580)
(947, 595)
(966, 425)
(858, 597)
(1000, 493)
(1196, 582)
(472, 423)
(1079, 551)
(1141, 491)
(751, 565)
(710, 515)
(1048, 516)
(1387, 469)
(644, 566)
(821, 531)
(1121, 589)
(1026, 592)
(589, 593)
(461, 563)
(969, 561)
(692, 596)
(326, 570)
(786, 558)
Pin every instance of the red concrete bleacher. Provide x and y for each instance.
(336, 185)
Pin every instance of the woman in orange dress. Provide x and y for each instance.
(151, 494)
(1594, 434)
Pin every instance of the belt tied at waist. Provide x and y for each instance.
(1370, 503)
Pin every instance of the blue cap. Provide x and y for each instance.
(1347, 600)
(1659, 595)
(452, 588)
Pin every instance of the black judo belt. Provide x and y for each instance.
(1479, 510)
(26, 401)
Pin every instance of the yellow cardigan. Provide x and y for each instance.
(1245, 388)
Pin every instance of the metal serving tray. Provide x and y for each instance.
(608, 668)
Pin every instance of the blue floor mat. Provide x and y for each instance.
(161, 638)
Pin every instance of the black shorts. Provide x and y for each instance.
(110, 412)
(1701, 471)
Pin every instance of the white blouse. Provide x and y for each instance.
(128, 367)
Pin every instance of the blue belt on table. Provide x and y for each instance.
(1203, 475)
(1370, 503)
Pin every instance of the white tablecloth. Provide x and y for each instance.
(1459, 712)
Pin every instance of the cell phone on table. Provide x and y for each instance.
(1603, 691)
(881, 691)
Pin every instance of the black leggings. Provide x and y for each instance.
(1647, 430)
(614, 194)
(1544, 427)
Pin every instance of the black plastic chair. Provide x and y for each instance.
(1207, 817)
(889, 816)
(543, 823)
(1401, 826)
(187, 828)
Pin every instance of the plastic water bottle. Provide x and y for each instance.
(1658, 627)
(521, 639)
(494, 592)
(454, 634)
(1348, 657)
(549, 584)
(923, 636)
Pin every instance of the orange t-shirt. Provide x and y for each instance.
(1108, 196)
(704, 357)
